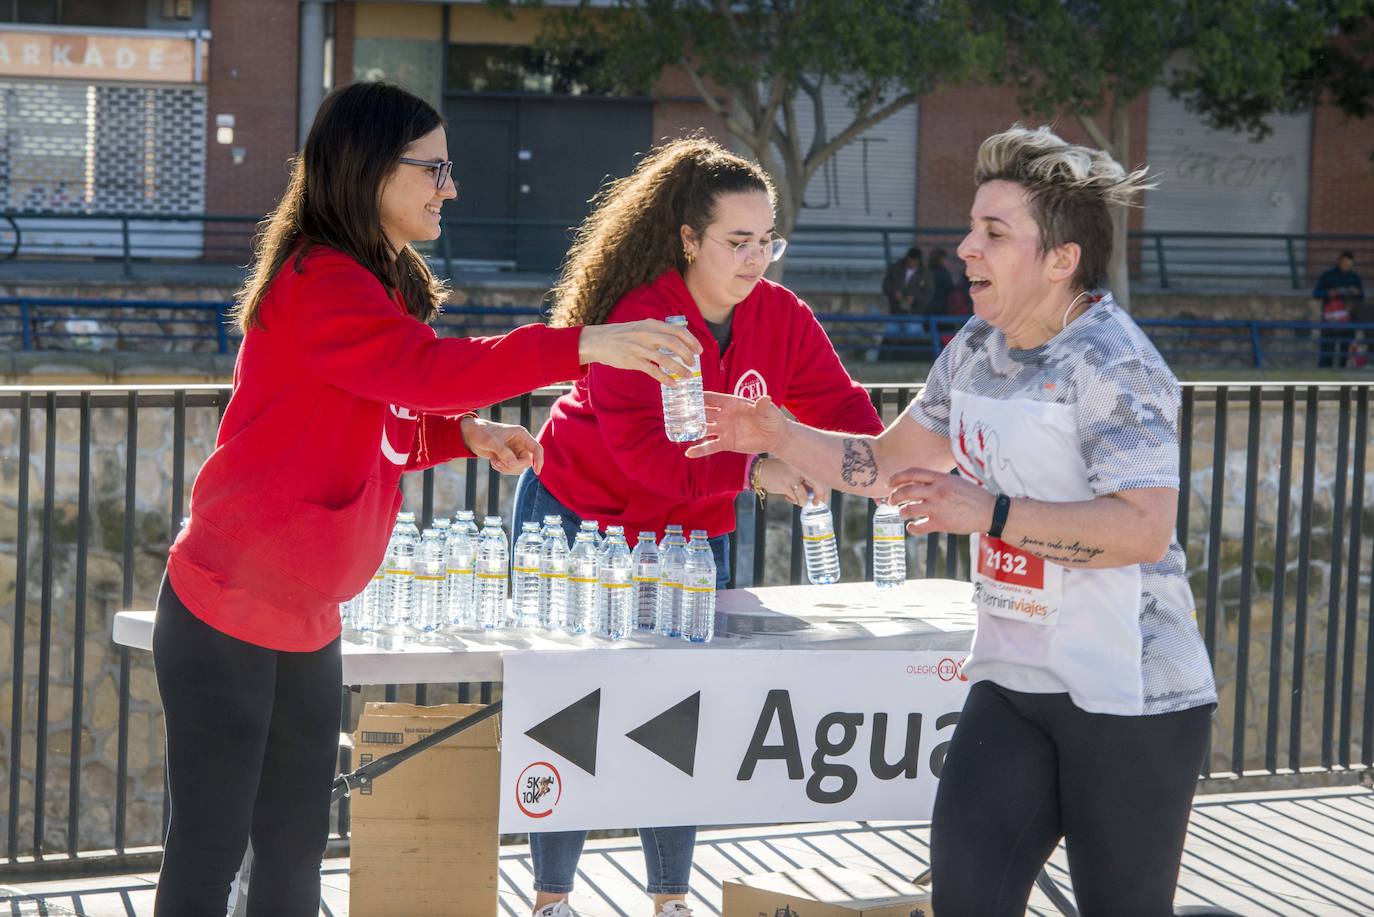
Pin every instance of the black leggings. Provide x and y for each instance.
(1024, 770)
(252, 740)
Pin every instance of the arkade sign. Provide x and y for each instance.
(99, 57)
(614, 739)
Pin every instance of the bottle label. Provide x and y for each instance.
(827, 536)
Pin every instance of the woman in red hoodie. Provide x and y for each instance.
(340, 386)
(689, 232)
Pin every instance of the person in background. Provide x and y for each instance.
(690, 233)
(905, 284)
(1339, 300)
(339, 387)
(941, 284)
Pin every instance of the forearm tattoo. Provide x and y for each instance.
(859, 468)
(1076, 553)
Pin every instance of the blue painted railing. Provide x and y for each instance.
(51, 323)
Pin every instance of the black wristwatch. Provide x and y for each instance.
(999, 516)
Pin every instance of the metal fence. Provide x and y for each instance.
(33, 323)
(1272, 512)
(1161, 258)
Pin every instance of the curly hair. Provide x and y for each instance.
(1071, 190)
(633, 233)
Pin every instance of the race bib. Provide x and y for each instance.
(1013, 584)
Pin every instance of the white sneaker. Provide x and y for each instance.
(557, 909)
(674, 909)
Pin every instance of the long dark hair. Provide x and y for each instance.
(633, 234)
(333, 197)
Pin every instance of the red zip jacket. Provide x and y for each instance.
(606, 456)
(338, 393)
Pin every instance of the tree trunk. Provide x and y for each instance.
(1119, 268)
(789, 206)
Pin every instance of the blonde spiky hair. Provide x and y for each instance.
(1071, 190)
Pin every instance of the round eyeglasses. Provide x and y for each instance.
(442, 169)
(770, 249)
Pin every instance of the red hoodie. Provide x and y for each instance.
(606, 456)
(335, 395)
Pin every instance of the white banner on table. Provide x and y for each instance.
(606, 739)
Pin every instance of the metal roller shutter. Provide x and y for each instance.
(1222, 182)
(68, 147)
(869, 183)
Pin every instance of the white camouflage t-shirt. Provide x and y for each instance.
(1092, 412)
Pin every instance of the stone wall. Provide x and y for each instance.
(155, 517)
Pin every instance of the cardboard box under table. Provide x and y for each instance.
(424, 838)
(829, 891)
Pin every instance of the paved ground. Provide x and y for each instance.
(1276, 853)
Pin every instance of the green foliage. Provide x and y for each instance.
(881, 46)
(1234, 62)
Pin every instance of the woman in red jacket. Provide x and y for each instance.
(340, 386)
(689, 232)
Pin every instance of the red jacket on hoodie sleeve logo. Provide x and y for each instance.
(394, 455)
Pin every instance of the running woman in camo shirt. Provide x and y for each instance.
(1092, 692)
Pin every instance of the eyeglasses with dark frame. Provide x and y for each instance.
(442, 169)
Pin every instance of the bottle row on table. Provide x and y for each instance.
(454, 575)
(457, 576)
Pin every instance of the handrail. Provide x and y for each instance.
(539, 244)
(40, 322)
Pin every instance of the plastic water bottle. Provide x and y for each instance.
(645, 558)
(669, 532)
(672, 566)
(553, 575)
(889, 546)
(367, 615)
(441, 525)
(525, 576)
(591, 525)
(460, 552)
(431, 612)
(818, 537)
(465, 520)
(615, 577)
(582, 604)
(699, 590)
(684, 404)
(400, 570)
(493, 559)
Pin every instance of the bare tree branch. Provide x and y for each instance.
(1090, 126)
(862, 122)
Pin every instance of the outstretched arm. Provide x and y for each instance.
(843, 461)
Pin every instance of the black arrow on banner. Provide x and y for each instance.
(571, 732)
(672, 735)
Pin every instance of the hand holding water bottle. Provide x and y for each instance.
(778, 477)
(649, 345)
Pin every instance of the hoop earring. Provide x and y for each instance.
(688, 257)
(1064, 323)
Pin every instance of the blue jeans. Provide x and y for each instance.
(667, 851)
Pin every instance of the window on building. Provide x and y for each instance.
(520, 68)
(177, 9)
(124, 14)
